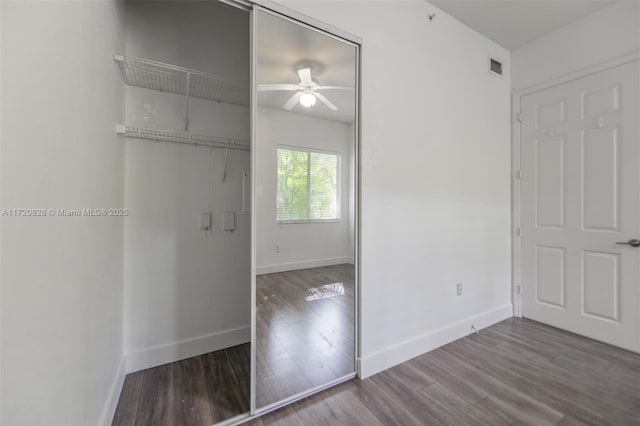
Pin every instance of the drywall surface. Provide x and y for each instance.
(435, 177)
(61, 276)
(187, 290)
(299, 245)
(182, 282)
(607, 34)
(208, 36)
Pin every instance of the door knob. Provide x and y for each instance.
(633, 242)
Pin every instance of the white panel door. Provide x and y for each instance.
(580, 195)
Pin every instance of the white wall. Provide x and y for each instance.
(607, 34)
(182, 283)
(187, 291)
(1, 204)
(301, 245)
(61, 276)
(435, 177)
(192, 34)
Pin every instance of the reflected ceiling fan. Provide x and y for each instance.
(307, 91)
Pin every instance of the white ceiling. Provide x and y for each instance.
(513, 23)
(282, 46)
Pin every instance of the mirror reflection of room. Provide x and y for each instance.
(305, 211)
(187, 279)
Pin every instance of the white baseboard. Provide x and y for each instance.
(106, 418)
(163, 354)
(394, 355)
(294, 266)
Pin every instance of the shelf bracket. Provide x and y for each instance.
(226, 161)
(186, 114)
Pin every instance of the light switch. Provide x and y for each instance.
(205, 221)
(228, 221)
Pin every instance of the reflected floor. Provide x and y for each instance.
(202, 390)
(304, 330)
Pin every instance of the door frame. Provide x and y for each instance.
(516, 119)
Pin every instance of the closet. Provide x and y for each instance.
(187, 279)
(240, 128)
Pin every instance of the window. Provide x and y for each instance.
(308, 187)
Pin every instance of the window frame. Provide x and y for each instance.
(309, 151)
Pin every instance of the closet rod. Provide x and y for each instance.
(157, 135)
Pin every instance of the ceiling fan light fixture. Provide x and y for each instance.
(307, 100)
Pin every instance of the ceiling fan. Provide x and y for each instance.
(307, 91)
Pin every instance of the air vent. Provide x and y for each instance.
(495, 67)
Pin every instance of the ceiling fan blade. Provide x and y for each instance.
(265, 87)
(305, 75)
(334, 88)
(325, 101)
(292, 102)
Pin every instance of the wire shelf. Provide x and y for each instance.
(159, 135)
(174, 79)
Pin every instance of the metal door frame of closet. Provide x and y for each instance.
(293, 16)
(283, 12)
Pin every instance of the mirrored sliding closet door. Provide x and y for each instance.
(305, 208)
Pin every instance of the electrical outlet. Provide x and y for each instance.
(277, 249)
(459, 289)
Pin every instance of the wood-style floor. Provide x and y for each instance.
(304, 330)
(198, 391)
(515, 372)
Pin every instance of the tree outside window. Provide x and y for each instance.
(308, 187)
